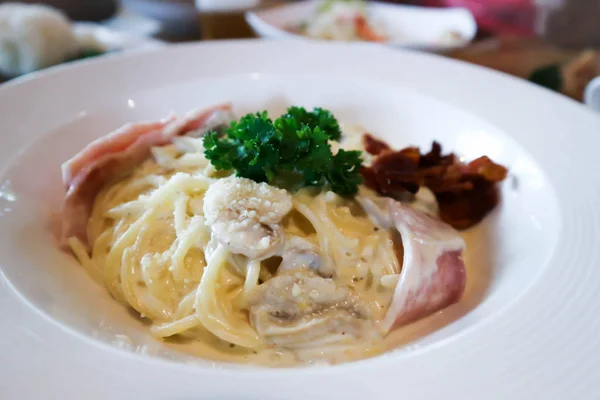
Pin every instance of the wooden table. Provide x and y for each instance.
(522, 56)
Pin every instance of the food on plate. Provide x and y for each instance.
(257, 238)
(293, 150)
(342, 20)
(465, 193)
(34, 36)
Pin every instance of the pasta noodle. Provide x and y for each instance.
(152, 247)
(241, 268)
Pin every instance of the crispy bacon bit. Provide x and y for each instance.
(397, 171)
(373, 145)
(466, 193)
(485, 167)
(463, 209)
(370, 177)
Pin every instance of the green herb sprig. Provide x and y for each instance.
(292, 152)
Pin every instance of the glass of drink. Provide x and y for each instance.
(224, 19)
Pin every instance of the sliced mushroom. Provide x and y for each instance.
(301, 308)
(245, 216)
(302, 254)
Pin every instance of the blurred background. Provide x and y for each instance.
(551, 42)
(178, 17)
(563, 22)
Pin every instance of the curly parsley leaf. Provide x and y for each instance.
(319, 117)
(292, 151)
(344, 176)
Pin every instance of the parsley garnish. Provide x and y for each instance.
(293, 151)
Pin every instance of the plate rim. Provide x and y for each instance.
(255, 18)
(584, 118)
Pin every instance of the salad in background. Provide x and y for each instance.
(346, 20)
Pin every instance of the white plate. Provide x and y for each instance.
(113, 39)
(527, 327)
(407, 26)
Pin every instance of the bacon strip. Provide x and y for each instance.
(113, 143)
(433, 272)
(115, 155)
(373, 145)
